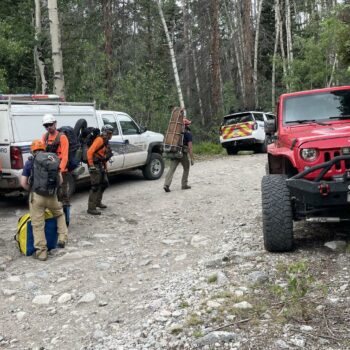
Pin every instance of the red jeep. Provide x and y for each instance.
(308, 170)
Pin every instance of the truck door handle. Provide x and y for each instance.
(126, 142)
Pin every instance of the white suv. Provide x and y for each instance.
(244, 130)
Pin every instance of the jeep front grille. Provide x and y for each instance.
(340, 166)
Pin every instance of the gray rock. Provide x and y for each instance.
(199, 241)
(281, 344)
(8, 292)
(257, 277)
(216, 337)
(64, 298)
(20, 315)
(87, 298)
(336, 245)
(243, 305)
(42, 299)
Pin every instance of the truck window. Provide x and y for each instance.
(238, 118)
(259, 117)
(128, 126)
(110, 119)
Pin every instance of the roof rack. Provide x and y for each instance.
(30, 97)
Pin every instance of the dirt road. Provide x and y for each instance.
(179, 270)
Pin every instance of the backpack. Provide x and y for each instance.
(24, 236)
(44, 179)
(87, 137)
(73, 162)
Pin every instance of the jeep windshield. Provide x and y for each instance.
(311, 108)
(238, 118)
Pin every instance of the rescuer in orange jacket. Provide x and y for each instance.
(57, 142)
(97, 156)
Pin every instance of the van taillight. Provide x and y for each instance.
(16, 158)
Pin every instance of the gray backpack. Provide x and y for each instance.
(44, 178)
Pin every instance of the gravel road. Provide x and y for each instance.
(179, 270)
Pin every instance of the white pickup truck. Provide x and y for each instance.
(21, 122)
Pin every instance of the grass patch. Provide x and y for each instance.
(183, 304)
(213, 278)
(197, 334)
(193, 320)
(207, 148)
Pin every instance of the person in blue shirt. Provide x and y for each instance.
(185, 160)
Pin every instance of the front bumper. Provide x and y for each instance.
(318, 192)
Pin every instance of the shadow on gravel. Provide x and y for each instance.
(310, 236)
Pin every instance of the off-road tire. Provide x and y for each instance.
(154, 169)
(231, 150)
(277, 214)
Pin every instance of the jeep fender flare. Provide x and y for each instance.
(282, 163)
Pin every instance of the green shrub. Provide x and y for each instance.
(207, 148)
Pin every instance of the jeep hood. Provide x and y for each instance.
(330, 136)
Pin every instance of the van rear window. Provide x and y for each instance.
(238, 118)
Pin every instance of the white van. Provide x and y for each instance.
(21, 122)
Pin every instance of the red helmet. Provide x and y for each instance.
(187, 122)
(37, 145)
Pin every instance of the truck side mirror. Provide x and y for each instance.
(142, 129)
(270, 127)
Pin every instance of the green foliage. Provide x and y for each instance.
(316, 63)
(207, 148)
(213, 278)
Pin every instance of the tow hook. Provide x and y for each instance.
(324, 189)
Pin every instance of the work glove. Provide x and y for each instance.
(92, 168)
(192, 162)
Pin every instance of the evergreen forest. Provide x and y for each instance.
(145, 56)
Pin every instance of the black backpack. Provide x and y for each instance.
(73, 162)
(87, 137)
(44, 179)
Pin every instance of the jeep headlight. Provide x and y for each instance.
(309, 154)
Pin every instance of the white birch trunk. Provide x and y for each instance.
(172, 55)
(273, 78)
(37, 55)
(289, 38)
(256, 46)
(283, 54)
(235, 49)
(194, 56)
(57, 60)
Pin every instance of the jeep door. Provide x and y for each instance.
(116, 142)
(135, 144)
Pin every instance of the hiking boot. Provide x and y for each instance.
(61, 244)
(40, 255)
(186, 187)
(93, 212)
(166, 188)
(101, 205)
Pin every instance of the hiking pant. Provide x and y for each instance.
(99, 182)
(63, 192)
(37, 206)
(173, 165)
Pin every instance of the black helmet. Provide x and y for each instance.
(107, 128)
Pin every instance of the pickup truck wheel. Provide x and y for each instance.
(231, 150)
(277, 214)
(154, 169)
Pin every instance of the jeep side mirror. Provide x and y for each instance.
(142, 129)
(270, 127)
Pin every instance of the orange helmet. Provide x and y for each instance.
(37, 145)
(187, 122)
